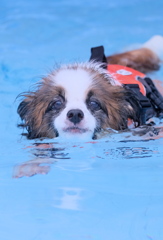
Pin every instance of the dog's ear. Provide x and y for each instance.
(23, 109)
(32, 111)
(30, 117)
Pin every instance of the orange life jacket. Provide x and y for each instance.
(126, 75)
(148, 97)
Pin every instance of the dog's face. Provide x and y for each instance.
(75, 103)
(76, 100)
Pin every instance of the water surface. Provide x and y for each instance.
(103, 190)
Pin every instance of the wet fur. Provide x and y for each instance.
(117, 105)
(143, 60)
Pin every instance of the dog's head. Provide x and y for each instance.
(76, 100)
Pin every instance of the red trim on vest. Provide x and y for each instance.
(126, 75)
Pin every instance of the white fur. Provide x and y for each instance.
(96, 66)
(76, 84)
(155, 44)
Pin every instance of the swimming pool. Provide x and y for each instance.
(105, 189)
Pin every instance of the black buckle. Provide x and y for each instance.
(143, 101)
(97, 55)
(152, 93)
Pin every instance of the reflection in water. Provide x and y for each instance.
(80, 157)
(131, 152)
(45, 154)
(67, 198)
(47, 150)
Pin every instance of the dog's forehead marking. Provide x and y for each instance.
(75, 82)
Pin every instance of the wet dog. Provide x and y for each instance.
(82, 99)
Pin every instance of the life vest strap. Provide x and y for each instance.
(142, 100)
(152, 93)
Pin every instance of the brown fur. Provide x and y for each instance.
(116, 101)
(143, 60)
(33, 109)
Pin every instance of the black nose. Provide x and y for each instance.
(75, 115)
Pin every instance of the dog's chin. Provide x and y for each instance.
(76, 133)
(75, 130)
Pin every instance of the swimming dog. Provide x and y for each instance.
(82, 99)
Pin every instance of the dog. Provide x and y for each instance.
(83, 99)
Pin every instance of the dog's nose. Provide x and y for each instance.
(75, 115)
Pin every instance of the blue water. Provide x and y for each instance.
(110, 189)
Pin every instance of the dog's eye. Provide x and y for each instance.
(55, 105)
(94, 105)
